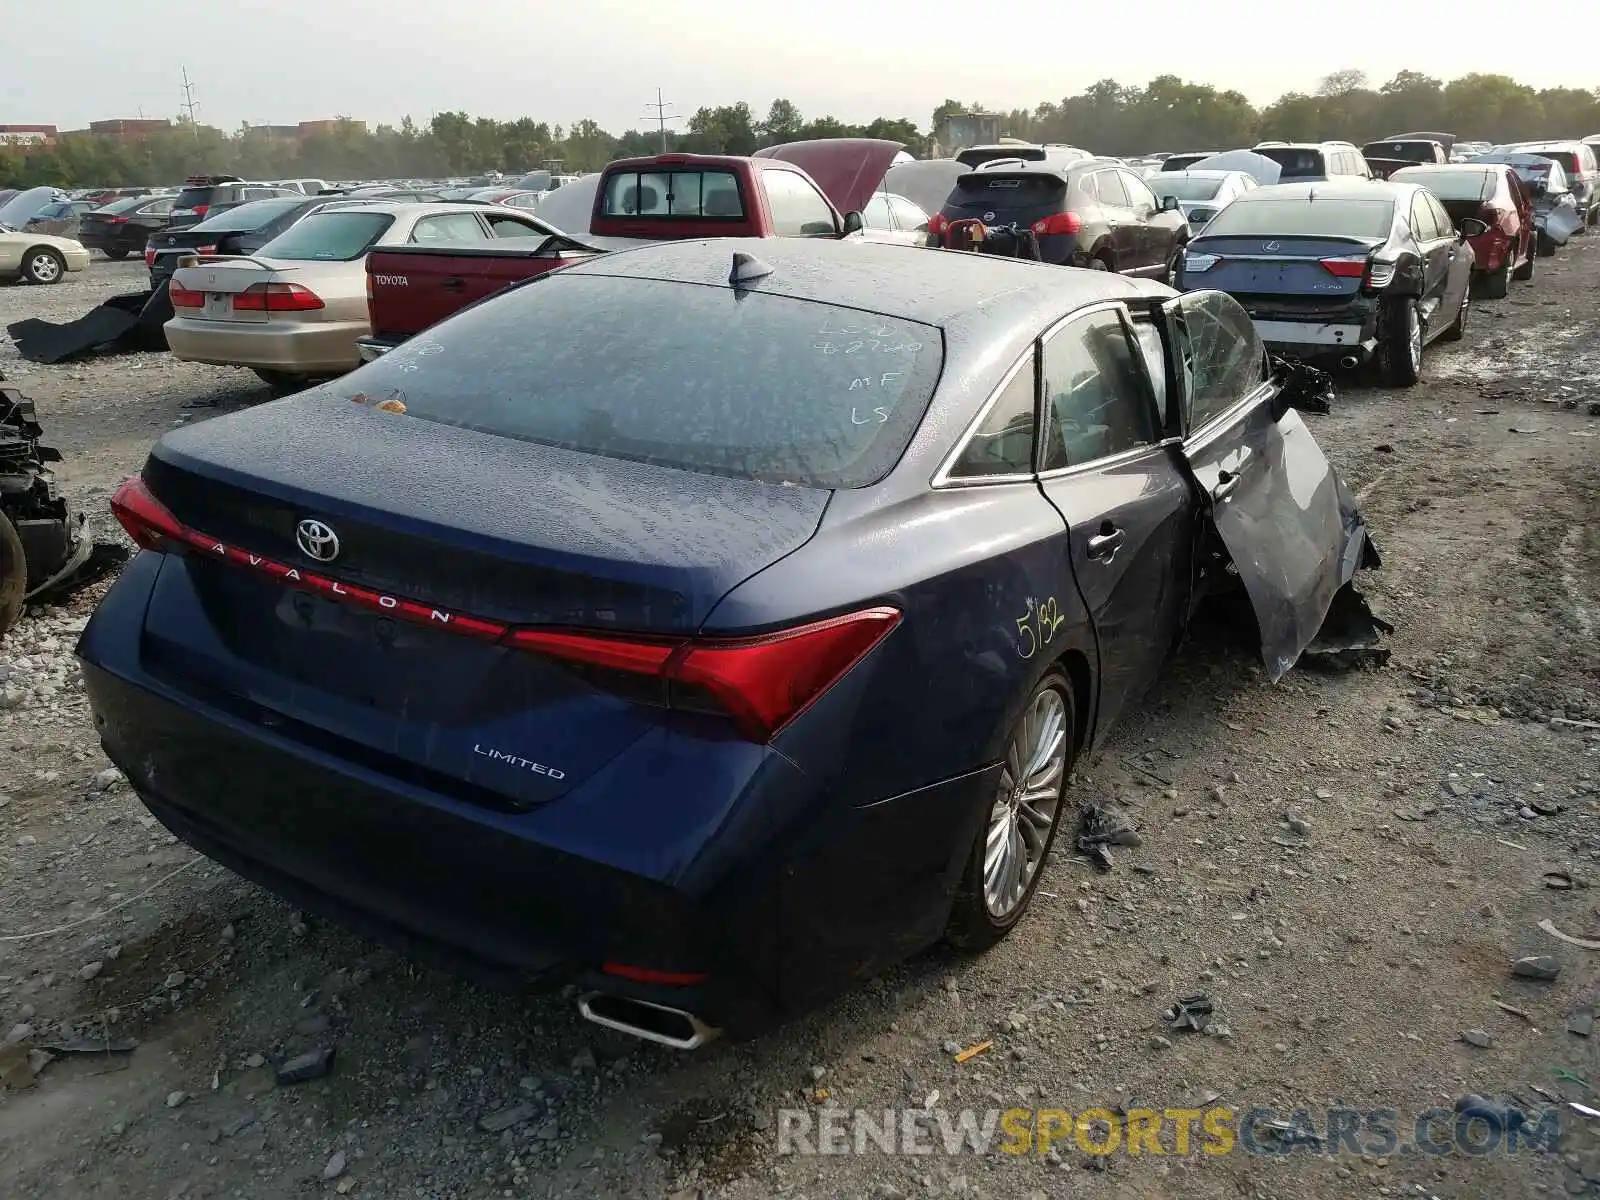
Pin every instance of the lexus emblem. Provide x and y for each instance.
(1269, 247)
(317, 541)
(988, 216)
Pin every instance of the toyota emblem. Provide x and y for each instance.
(317, 540)
(1269, 247)
(988, 216)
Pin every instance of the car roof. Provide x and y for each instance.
(946, 288)
(1304, 145)
(1188, 174)
(399, 208)
(1329, 189)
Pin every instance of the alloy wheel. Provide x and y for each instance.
(1026, 803)
(45, 268)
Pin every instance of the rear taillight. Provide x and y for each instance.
(149, 256)
(1345, 268)
(762, 683)
(205, 250)
(369, 287)
(145, 518)
(116, 220)
(1058, 223)
(276, 297)
(182, 297)
(200, 210)
(938, 224)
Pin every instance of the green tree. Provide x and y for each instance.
(782, 124)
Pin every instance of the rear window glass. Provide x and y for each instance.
(673, 194)
(975, 157)
(1568, 160)
(1185, 189)
(1292, 218)
(1008, 191)
(126, 205)
(191, 197)
(753, 385)
(329, 237)
(250, 216)
(1295, 162)
(1415, 151)
(1448, 184)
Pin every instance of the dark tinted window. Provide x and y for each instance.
(1224, 360)
(673, 194)
(754, 385)
(798, 209)
(329, 237)
(1002, 191)
(122, 206)
(1096, 400)
(1295, 162)
(976, 156)
(1567, 159)
(192, 197)
(1248, 216)
(250, 216)
(1003, 443)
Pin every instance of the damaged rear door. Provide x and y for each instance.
(1283, 515)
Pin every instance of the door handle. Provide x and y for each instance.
(455, 283)
(1226, 482)
(1105, 545)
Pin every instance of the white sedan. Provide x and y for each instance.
(38, 257)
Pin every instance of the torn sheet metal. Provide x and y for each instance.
(124, 324)
(1351, 635)
(1558, 222)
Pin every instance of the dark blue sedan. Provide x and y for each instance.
(714, 622)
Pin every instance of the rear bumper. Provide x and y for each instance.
(784, 903)
(1335, 334)
(327, 347)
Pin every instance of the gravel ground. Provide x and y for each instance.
(1347, 864)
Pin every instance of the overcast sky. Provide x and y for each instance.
(282, 61)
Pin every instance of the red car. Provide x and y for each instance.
(1496, 195)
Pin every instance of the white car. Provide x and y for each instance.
(39, 257)
(1201, 195)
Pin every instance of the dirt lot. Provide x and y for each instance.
(1347, 947)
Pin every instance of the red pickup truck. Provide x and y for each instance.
(803, 189)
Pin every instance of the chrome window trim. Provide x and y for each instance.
(1110, 460)
(942, 477)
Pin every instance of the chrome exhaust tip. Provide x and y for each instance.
(1349, 362)
(652, 1022)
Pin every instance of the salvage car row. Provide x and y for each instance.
(583, 624)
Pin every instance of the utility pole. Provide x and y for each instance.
(190, 104)
(662, 116)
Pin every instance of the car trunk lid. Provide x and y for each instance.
(392, 642)
(411, 287)
(1003, 198)
(1318, 268)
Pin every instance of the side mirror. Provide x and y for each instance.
(1471, 227)
(1169, 204)
(854, 222)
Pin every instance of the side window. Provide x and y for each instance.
(1148, 338)
(1111, 190)
(159, 209)
(1422, 222)
(501, 226)
(876, 214)
(1096, 400)
(1139, 195)
(1089, 187)
(1225, 358)
(798, 209)
(452, 227)
(1442, 220)
(1003, 444)
(908, 215)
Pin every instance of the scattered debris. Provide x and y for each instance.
(123, 324)
(1304, 386)
(177, 1099)
(87, 1045)
(1568, 723)
(1512, 1009)
(20, 1065)
(1581, 1022)
(1558, 881)
(335, 1166)
(1549, 927)
(1538, 966)
(1583, 1110)
(1500, 1117)
(974, 1051)
(1098, 830)
(1477, 1037)
(1187, 1012)
(306, 1067)
(506, 1118)
(1350, 635)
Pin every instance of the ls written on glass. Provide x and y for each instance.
(866, 383)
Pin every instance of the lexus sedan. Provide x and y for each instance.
(1356, 271)
(713, 623)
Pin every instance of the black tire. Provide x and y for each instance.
(42, 265)
(13, 574)
(1524, 273)
(1458, 327)
(1399, 343)
(1546, 247)
(1496, 285)
(972, 927)
(283, 383)
(117, 253)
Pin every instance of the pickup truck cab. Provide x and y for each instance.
(803, 189)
